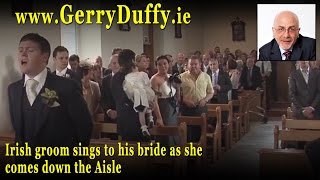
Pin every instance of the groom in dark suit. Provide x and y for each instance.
(288, 44)
(46, 110)
(304, 91)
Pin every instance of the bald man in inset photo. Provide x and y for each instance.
(288, 43)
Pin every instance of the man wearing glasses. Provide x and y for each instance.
(288, 44)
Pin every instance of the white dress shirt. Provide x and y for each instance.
(40, 78)
(61, 73)
(215, 77)
(282, 51)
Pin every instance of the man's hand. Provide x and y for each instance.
(307, 111)
(310, 116)
(217, 87)
(112, 114)
(202, 103)
(159, 122)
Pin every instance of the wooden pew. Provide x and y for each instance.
(284, 163)
(227, 127)
(142, 165)
(296, 130)
(241, 115)
(252, 109)
(236, 121)
(202, 122)
(289, 162)
(215, 137)
(104, 128)
(289, 113)
(180, 162)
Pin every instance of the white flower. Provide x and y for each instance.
(50, 98)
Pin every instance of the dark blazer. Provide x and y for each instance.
(302, 94)
(303, 49)
(256, 78)
(72, 75)
(106, 71)
(107, 100)
(127, 118)
(175, 69)
(64, 125)
(225, 85)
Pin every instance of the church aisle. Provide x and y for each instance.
(243, 158)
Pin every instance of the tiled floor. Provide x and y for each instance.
(243, 158)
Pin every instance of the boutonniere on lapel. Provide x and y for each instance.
(67, 75)
(50, 98)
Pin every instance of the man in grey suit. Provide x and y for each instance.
(304, 91)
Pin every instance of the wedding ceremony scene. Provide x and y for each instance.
(217, 91)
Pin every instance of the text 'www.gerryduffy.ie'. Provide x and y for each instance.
(152, 14)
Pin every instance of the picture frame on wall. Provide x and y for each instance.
(238, 30)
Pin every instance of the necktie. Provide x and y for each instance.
(31, 86)
(180, 69)
(262, 67)
(287, 54)
(305, 75)
(214, 78)
(249, 78)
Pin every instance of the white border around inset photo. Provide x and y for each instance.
(266, 13)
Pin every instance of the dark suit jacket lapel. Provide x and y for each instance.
(17, 103)
(275, 52)
(296, 52)
(220, 77)
(311, 78)
(301, 78)
(210, 74)
(44, 107)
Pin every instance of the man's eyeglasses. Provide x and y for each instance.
(281, 30)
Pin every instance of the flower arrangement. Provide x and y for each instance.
(50, 98)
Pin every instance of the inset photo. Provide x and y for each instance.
(286, 32)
